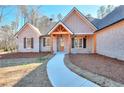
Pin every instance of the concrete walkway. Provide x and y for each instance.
(61, 76)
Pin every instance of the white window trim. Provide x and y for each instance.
(78, 43)
(27, 44)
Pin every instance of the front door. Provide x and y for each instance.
(60, 43)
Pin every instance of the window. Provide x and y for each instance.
(46, 42)
(76, 42)
(28, 42)
(84, 42)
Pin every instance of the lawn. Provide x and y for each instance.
(24, 71)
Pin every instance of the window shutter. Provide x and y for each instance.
(24, 42)
(44, 39)
(32, 43)
(72, 42)
(84, 42)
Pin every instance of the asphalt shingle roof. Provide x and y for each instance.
(116, 15)
(48, 28)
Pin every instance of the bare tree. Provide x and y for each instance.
(8, 40)
(52, 17)
(34, 15)
(14, 26)
(29, 13)
(109, 8)
(1, 12)
(89, 17)
(101, 12)
(59, 16)
(17, 20)
(104, 10)
(43, 23)
(24, 12)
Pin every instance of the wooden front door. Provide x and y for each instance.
(60, 43)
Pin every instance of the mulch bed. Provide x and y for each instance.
(22, 55)
(102, 65)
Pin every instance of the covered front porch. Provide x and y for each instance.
(64, 40)
(60, 37)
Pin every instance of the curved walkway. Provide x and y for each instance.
(61, 76)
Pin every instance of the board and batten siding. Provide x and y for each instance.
(77, 25)
(110, 41)
(28, 33)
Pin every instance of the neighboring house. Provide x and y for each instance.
(76, 34)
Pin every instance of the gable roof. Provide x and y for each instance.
(82, 16)
(115, 16)
(31, 26)
(60, 23)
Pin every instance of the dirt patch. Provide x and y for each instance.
(25, 72)
(11, 75)
(36, 78)
(101, 65)
(21, 55)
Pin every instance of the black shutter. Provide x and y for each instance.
(84, 42)
(24, 42)
(72, 42)
(32, 43)
(44, 41)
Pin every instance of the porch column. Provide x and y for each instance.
(51, 43)
(70, 43)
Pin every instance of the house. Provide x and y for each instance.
(76, 34)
